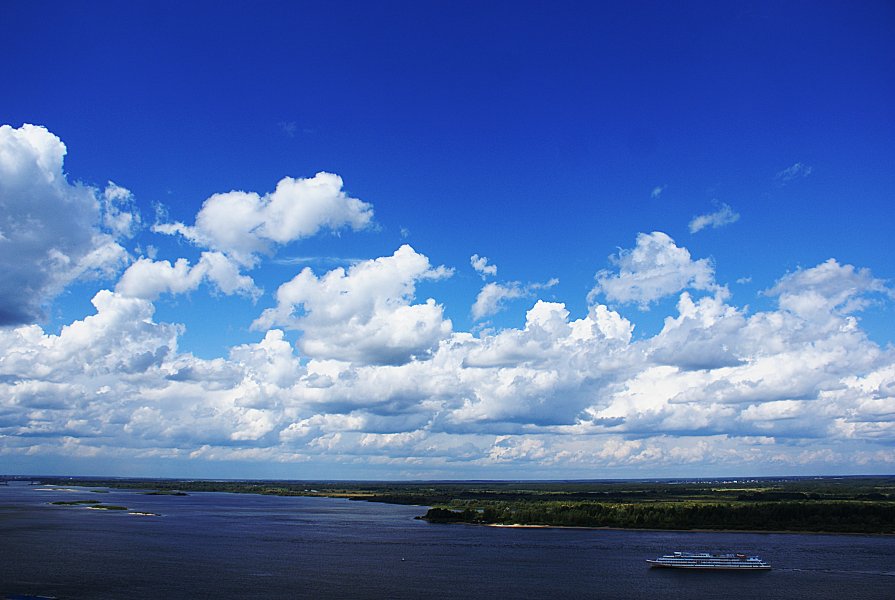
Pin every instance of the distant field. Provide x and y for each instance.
(822, 504)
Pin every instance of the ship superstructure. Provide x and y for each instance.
(704, 560)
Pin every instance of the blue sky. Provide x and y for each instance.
(688, 208)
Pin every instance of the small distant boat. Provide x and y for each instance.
(710, 562)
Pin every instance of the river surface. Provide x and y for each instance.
(217, 545)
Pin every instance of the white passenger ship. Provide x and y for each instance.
(704, 560)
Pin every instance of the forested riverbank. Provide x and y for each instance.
(804, 516)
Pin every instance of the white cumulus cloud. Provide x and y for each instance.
(493, 296)
(244, 225)
(829, 287)
(148, 278)
(721, 217)
(480, 264)
(653, 269)
(52, 231)
(365, 314)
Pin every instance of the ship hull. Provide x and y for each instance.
(657, 565)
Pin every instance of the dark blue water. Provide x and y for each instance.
(209, 545)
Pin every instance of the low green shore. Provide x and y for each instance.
(815, 504)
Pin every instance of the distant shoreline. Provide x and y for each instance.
(854, 505)
(597, 528)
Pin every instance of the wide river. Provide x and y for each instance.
(215, 545)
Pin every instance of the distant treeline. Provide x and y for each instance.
(829, 516)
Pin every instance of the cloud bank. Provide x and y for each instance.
(380, 382)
